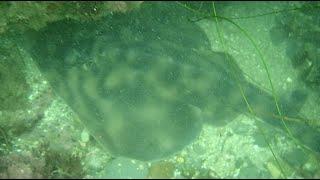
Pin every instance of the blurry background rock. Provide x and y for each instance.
(19, 16)
(28, 117)
(14, 88)
(300, 29)
(121, 6)
(34, 141)
(21, 166)
(16, 113)
(161, 170)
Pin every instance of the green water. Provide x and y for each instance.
(149, 90)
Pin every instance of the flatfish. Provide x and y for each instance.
(144, 82)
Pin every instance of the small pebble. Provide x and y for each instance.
(289, 80)
(85, 136)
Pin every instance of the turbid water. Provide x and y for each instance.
(143, 83)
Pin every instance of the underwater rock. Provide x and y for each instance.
(125, 168)
(300, 31)
(14, 88)
(18, 111)
(20, 16)
(21, 165)
(161, 170)
(144, 82)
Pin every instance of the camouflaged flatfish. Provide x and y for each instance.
(145, 81)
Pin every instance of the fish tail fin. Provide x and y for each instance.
(264, 107)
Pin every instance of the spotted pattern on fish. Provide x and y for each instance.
(143, 83)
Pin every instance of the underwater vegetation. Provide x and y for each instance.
(150, 96)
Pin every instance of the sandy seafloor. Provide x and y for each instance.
(230, 151)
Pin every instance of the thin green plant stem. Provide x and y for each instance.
(206, 16)
(273, 12)
(265, 67)
(267, 71)
(261, 57)
(242, 93)
(269, 79)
